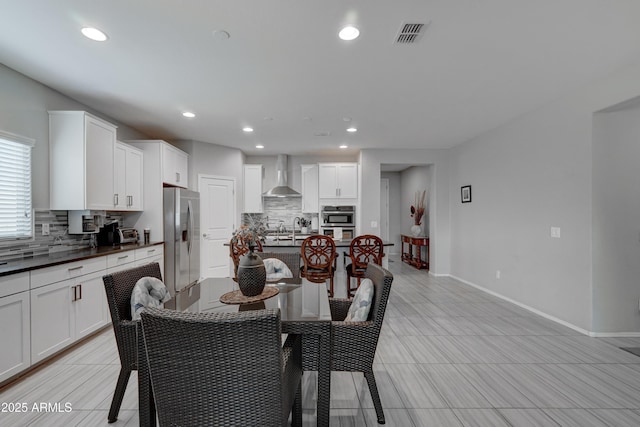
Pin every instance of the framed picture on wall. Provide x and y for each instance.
(465, 192)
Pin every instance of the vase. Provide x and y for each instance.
(416, 230)
(251, 274)
(304, 230)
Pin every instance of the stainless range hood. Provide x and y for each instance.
(282, 189)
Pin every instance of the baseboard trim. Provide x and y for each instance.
(538, 312)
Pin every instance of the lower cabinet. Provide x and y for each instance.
(66, 311)
(14, 334)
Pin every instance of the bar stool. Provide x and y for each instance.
(318, 257)
(363, 250)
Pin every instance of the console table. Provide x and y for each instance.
(416, 259)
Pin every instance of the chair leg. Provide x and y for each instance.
(331, 286)
(373, 389)
(296, 413)
(118, 395)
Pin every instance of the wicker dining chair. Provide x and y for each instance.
(318, 257)
(118, 287)
(353, 344)
(362, 250)
(238, 247)
(223, 369)
(291, 259)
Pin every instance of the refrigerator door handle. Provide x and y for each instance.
(189, 225)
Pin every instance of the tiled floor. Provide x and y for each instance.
(449, 355)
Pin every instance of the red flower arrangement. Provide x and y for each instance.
(417, 209)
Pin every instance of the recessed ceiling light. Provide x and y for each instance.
(94, 34)
(260, 146)
(349, 33)
(352, 129)
(188, 114)
(343, 146)
(247, 129)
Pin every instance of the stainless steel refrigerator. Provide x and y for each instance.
(182, 246)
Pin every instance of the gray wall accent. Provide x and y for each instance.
(439, 218)
(23, 110)
(528, 175)
(616, 221)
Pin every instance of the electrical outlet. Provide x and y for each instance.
(498, 274)
(374, 224)
(45, 229)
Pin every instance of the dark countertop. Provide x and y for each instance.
(298, 243)
(33, 263)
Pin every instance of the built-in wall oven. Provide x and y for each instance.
(348, 233)
(338, 217)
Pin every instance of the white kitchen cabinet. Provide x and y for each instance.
(15, 320)
(309, 174)
(152, 217)
(128, 174)
(51, 320)
(63, 311)
(81, 161)
(175, 164)
(252, 179)
(150, 254)
(338, 180)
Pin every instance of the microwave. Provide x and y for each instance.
(338, 216)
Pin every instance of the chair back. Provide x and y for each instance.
(118, 287)
(318, 253)
(238, 247)
(382, 280)
(223, 368)
(292, 259)
(365, 249)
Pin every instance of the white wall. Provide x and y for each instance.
(616, 221)
(396, 211)
(211, 159)
(23, 110)
(439, 221)
(528, 175)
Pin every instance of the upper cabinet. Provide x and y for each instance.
(81, 161)
(175, 165)
(128, 172)
(252, 178)
(309, 174)
(338, 180)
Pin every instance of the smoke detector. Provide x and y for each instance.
(410, 33)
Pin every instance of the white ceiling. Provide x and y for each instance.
(479, 65)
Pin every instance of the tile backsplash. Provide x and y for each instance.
(276, 210)
(58, 240)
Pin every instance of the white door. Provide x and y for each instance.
(217, 220)
(384, 209)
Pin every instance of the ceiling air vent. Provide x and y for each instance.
(410, 33)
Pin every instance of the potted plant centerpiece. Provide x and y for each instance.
(251, 272)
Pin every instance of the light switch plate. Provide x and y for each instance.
(374, 224)
(555, 232)
(45, 229)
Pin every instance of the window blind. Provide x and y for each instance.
(16, 220)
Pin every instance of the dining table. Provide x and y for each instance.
(304, 310)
